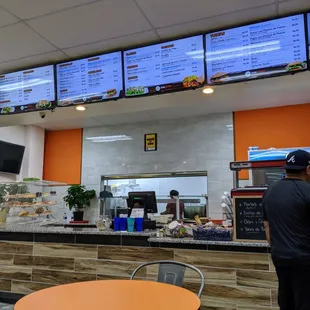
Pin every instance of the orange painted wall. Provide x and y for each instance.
(280, 127)
(63, 156)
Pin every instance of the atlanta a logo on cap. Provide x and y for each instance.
(292, 159)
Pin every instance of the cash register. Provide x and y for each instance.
(145, 201)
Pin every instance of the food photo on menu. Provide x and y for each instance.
(259, 50)
(165, 67)
(90, 80)
(27, 91)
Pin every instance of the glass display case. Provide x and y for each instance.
(30, 201)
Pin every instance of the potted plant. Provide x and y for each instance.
(78, 198)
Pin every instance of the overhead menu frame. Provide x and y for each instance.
(89, 80)
(164, 67)
(27, 90)
(259, 50)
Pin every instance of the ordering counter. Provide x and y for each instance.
(238, 275)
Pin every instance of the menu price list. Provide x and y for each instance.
(308, 20)
(28, 90)
(257, 50)
(165, 67)
(90, 80)
(249, 220)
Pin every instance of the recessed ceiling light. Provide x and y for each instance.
(80, 108)
(208, 90)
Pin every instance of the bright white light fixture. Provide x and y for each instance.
(208, 90)
(80, 108)
(103, 139)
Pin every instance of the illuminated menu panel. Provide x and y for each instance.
(258, 50)
(165, 67)
(90, 80)
(308, 18)
(28, 90)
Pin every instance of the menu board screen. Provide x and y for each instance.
(165, 67)
(258, 50)
(308, 20)
(90, 80)
(28, 90)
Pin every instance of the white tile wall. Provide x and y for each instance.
(192, 144)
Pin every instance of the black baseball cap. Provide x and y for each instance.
(297, 160)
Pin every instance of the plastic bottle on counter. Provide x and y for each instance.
(65, 218)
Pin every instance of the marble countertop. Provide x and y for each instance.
(192, 241)
(62, 230)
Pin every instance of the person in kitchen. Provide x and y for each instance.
(286, 207)
(171, 207)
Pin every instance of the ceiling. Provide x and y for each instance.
(35, 32)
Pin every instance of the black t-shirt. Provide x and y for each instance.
(287, 209)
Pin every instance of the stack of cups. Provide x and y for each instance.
(130, 224)
(139, 224)
(117, 222)
(123, 223)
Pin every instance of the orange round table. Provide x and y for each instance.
(111, 295)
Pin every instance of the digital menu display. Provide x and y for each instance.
(258, 50)
(90, 80)
(308, 20)
(28, 90)
(165, 67)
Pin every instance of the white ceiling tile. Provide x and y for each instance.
(32, 61)
(163, 13)
(92, 23)
(34, 8)
(219, 22)
(118, 43)
(20, 41)
(6, 18)
(287, 7)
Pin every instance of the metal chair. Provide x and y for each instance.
(172, 272)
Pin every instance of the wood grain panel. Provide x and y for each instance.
(257, 279)
(237, 295)
(211, 275)
(223, 259)
(274, 298)
(65, 250)
(16, 247)
(6, 259)
(254, 307)
(24, 287)
(59, 263)
(15, 273)
(60, 277)
(134, 254)
(5, 285)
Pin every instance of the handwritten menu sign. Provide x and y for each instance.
(248, 219)
(164, 67)
(258, 50)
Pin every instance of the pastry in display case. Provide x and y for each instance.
(30, 199)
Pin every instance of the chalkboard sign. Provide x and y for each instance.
(248, 219)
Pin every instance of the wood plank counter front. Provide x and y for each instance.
(113, 294)
(236, 277)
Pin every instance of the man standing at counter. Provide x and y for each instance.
(171, 207)
(287, 222)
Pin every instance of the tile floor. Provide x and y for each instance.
(4, 306)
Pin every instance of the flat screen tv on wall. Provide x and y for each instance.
(11, 157)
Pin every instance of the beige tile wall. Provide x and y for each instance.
(233, 281)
